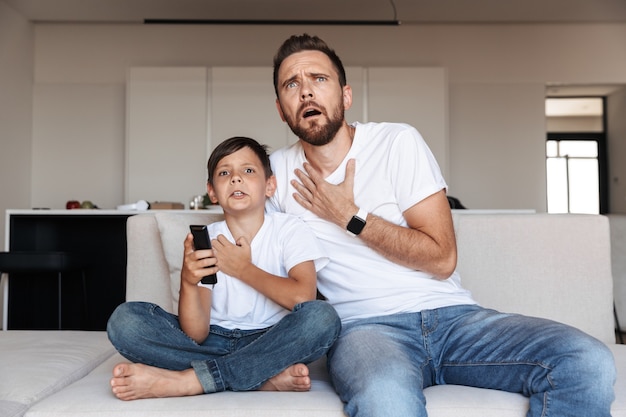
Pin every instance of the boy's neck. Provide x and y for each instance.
(244, 224)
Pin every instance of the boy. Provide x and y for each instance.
(266, 266)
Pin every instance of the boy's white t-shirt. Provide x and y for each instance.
(395, 169)
(282, 242)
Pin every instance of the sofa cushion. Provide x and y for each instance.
(35, 364)
(10, 408)
(92, 397)
(173, 228)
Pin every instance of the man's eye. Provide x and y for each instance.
(321, 78)
(291, 84)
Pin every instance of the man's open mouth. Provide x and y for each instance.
(311, 112)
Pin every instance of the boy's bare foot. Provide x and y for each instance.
(294, 378)
(132, 381)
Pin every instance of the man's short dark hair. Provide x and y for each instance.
(232, 145)
(305, 42)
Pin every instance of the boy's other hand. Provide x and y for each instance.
(232, 259)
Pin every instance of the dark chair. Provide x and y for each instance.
(18, 262)
(455, 203)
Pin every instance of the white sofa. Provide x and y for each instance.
(554, 266)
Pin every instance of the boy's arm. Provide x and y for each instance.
(236, 261)
(194, 305)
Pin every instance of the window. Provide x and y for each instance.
(576, 156)
(572, 172)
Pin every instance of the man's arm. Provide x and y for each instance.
(428, 244)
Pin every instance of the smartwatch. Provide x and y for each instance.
(357, 223)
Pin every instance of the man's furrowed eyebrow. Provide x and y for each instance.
(290, 80)
(319, 74)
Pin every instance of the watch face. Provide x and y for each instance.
(356, 225)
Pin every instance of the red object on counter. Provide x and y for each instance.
(72, 204)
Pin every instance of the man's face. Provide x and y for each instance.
(310, 98)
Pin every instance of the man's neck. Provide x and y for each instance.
(327, 158)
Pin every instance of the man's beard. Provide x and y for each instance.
(319, 134)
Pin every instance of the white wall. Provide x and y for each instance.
(498, 136)
(496, 73)
(16, 75)
(78, 144)
(574, 124)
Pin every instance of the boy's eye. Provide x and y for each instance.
(222, 173)
(249, 170)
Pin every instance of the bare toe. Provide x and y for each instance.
(294, 378)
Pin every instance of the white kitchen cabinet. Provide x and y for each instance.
(166, 138)
(176, 116)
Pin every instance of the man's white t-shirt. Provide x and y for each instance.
(395, 169)
(282, 242)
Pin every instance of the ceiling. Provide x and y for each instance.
(405, 11)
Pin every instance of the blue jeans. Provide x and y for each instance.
(380, 366)
(237, 360)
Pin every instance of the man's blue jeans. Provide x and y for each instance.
(237, 360)
(381, 365)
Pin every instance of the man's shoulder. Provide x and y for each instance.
(289, 151)
(385, 127)
(377, 136)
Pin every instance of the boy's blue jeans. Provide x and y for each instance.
(237, 360)
(381, 365)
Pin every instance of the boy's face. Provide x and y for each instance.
(239, 182)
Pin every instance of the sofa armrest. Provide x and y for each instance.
(147, 275)
(155, 249)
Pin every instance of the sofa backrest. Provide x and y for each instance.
(556, 266)
(545, 265)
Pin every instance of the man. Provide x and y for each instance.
(376, 199)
